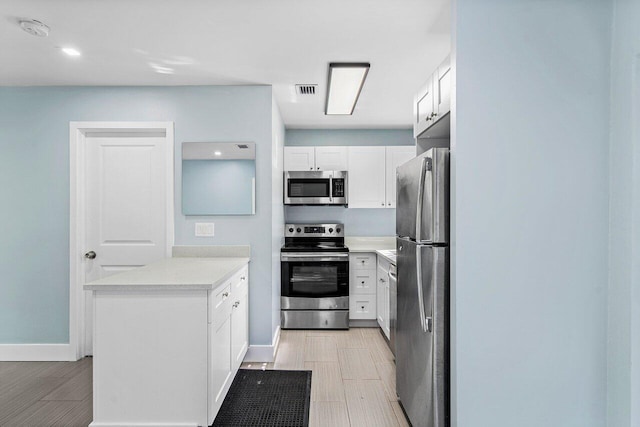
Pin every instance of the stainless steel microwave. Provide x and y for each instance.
(315, 188)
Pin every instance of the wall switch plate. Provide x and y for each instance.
(204, 229)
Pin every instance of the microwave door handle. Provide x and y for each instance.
(330, 188)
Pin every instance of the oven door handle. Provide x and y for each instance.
(314, 257)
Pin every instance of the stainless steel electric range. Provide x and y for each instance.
(314, 277)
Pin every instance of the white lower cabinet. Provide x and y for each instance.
(382, 296)
(239, 323)
(228, 337)
(362, 286)
(220, 371)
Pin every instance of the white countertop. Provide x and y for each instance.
(173, 273)
(388, 254)
(370, 244)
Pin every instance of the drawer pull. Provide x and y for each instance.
(236, 304)
(226, 294)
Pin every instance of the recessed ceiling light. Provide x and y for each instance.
(217, 153)
(71, 51)
(34, 27)
(345, 83)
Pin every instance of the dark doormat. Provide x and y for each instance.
(266, 399)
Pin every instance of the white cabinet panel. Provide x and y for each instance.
(239, 318)
(331, 158)
(299, 158)
(442, 82)
(395, 156)
(366, 177)
(323, 158)
(220, 370)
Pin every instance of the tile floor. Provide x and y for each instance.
(353, 383)
(353, 380)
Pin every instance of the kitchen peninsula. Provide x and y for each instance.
(169, 338)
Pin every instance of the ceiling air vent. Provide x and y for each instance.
(306, 89)
(242, 145)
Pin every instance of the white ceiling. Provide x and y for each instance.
(227, 42)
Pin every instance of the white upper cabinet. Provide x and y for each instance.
(367, 177)
(299, 158)
(433, 102)
(331, 158)
(442, 86)
(423, 108)
(315, 158)
(395, 156)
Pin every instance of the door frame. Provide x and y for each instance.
(77, 227)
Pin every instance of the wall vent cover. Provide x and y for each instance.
(306, 89)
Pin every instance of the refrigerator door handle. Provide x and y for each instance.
(434, 349)
(426, 325)
(424, 167)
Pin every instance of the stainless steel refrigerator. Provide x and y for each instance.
(422, 328)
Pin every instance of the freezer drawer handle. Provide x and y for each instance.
(429, 323)
(426, 325)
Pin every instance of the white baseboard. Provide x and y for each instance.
(35, 352)
(264, 353)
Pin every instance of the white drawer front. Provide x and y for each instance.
(362, 307)
(362, 261)
(362, 282)
(240, 283)
(219, 304)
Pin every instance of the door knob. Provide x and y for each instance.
(90, 255)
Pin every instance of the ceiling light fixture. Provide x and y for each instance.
(344, 86)
(71, 51)
(217, 153)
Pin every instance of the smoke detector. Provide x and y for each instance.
(35, 28)
(306, 89)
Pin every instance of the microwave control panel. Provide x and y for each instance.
(338, 187)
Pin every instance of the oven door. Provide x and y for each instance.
(313, 280)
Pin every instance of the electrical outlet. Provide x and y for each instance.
(204, 229)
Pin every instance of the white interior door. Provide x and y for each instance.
(126, 219)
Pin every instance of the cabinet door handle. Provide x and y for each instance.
(226, 294)
(236, 304)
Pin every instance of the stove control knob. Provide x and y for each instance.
(337, 230)
(291, 230)
(298, 229)
(331, 230)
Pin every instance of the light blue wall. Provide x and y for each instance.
(529, 203)
(358, 222)
(277, 210)
(34, 170)
(623, 344)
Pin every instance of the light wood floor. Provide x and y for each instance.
(353, 381)
(39, 394)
